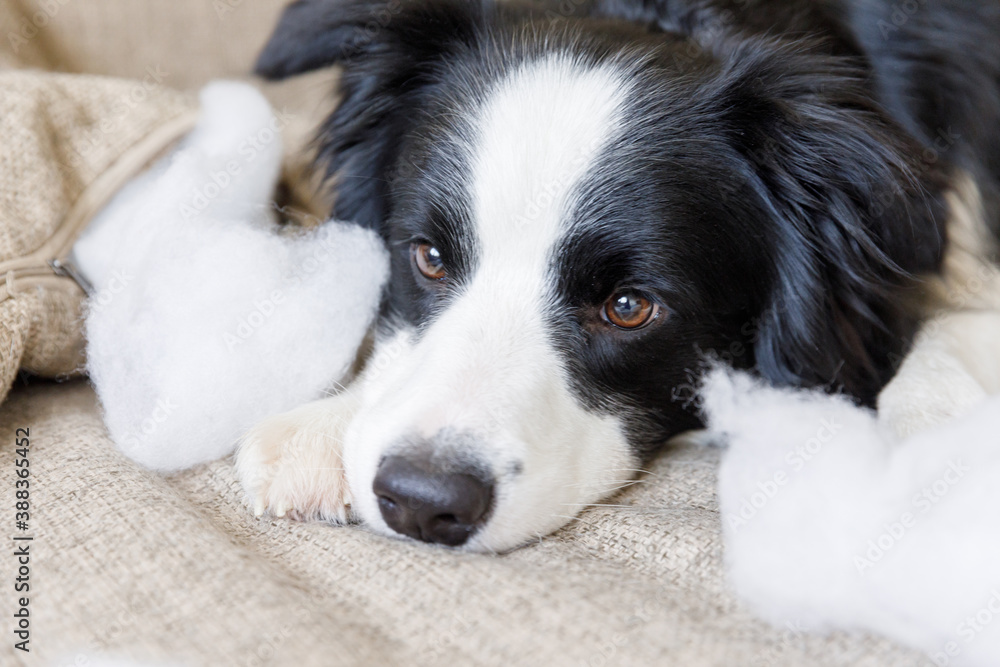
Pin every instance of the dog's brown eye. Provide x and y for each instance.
(630, 310)
(428, 260)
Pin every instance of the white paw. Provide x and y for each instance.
(292, 465)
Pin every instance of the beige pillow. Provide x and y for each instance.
(69, 144)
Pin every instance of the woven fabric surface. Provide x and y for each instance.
(60, 134)
(69, 142)
(135, 565)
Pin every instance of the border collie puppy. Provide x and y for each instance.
(584, 200)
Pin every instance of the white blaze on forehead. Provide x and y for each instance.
(540, 131)
(485, 365)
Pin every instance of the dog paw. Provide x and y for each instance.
(292, 465)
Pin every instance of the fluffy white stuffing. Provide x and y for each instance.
(205, 319)
(830, 521)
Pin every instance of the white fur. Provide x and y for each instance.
(485, 366)
(292, 463)
(205, 319)
(832, 521)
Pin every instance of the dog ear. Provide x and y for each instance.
(858, 214)
(311, 34)
(318, 33)
(388, 50)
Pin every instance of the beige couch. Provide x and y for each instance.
(176, 570)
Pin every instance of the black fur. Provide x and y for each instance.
(781, 191)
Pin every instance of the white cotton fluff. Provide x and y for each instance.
(829, 522)
(205, 319)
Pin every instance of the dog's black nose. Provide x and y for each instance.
(419, 500)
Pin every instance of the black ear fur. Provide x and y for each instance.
(311, 34)
(389, 49)
(317, 33)
(858, 216)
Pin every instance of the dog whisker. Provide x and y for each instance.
(639, 470)
(610, 481)
(574, 518)
(344, 389)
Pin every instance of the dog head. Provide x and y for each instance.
(578, 211)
